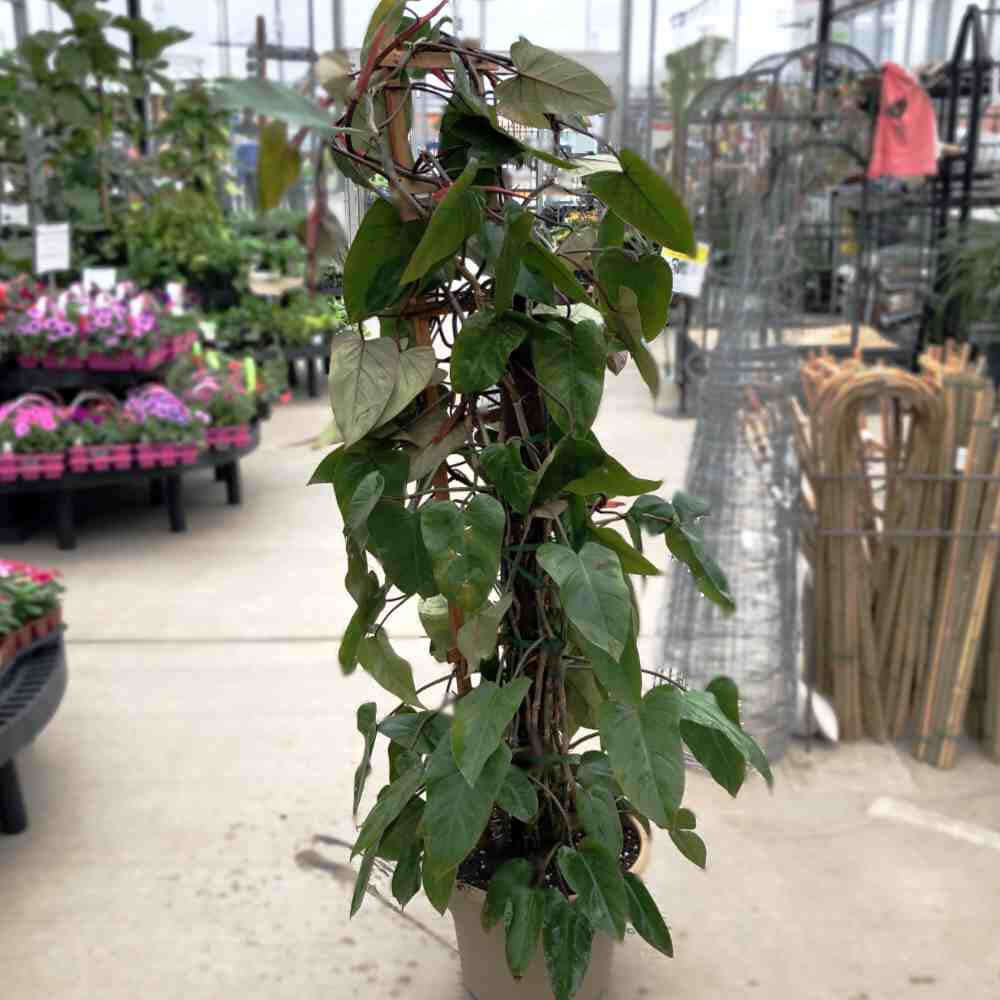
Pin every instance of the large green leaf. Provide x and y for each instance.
(420, 732)
(593, 873)
(438, 885)
(402, 831)
(690, 508)
(643, 743)
(388, 13)
(480, 720)
(455, 219)
(464, 546)
(379, 254)
(504, 468)
(688, 547)
(611, 232)
(727, 694)
(366, 496)
(622, 679)
(567, 937)
(416, 369)
(279, 164)
(599, 814)
(645, 917)
(524, 928)
(545, 263)
(348, 467)
(552, 84)
(653, 514)
(406, 877)
(456, 814)
(649, 277)
(570, 365)
(477, 638)
(370, 599)
(516, 874)
(626, 320)
(517, 796)
(482, 349)
(508, 265)
(583, 699)
(390, 804)
(396, 539)
(691, 846)
(593, 593)
(426, 462)
(632, 561)
(640, 196)
(274, 100)
(362, 379)
(387, 668)
(367, 728)
(571, 461)
(719, 743)
(611, 479)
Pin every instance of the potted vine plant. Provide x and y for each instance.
(482, 491)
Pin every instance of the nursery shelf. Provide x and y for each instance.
(165, 484)
(15, 380)
(29, 697)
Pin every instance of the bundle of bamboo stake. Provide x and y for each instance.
(897, 473)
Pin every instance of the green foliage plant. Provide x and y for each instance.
(470, 479)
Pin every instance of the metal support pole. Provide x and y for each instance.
(223, 27)
(482, 24)
(279, 31)
(735, 56)
(911, 16)
(134, 9)
(622, 123)
(651, 83)
(338, 25)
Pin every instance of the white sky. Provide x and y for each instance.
(552, 23)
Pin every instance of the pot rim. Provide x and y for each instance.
(638, 868)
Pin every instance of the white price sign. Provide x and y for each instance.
(103, 278)
(689, 272)
(52, 248)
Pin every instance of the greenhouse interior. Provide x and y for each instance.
(500, 500)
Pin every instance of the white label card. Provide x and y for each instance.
(104, 278)
(52, 251)
(689, 272)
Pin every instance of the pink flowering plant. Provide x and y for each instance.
(26, 593)
(160, 416)
(99, 425)
(28, 426)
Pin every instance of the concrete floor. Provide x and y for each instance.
(207, 741)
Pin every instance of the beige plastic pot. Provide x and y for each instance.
(484, 962)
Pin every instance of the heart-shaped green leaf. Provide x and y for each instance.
(504, 468)
(543, 262)
(569, 366)
(387, 668)
(464, 546)
(593, 593)
(599, 815)
(477, 638)
(524, 928)
(632, 561)
(480, 720)
(482, 349)
(611, 479)
(456, 218)
(626, 320)
(549, 83)
(406, 877)
(640, 196)
(643, 743)
(416, 369)
(567, 938)
(571, 461)
(594, 875)
(508, 265)
(649, 277)
(456, 814)
(645, 917)
(379, 254)
(363, 376)
(396, 539)
(517, 796)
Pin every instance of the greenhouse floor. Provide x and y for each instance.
(190, 801)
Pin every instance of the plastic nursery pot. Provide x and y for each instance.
(8, 468)
(42, 465)
(28, 361)
(54, 361)
(485, 974)
(111, 363)
(149, 456)
(228, 437)
(153, 359)
(187, 454)
(121, 456)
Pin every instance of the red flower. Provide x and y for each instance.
(285, 397)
